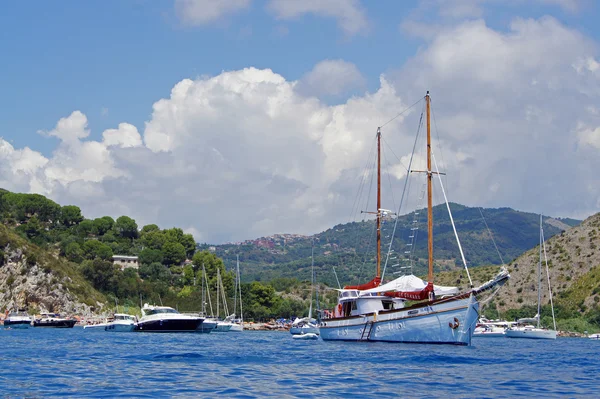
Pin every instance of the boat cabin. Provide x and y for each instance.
(355, 303)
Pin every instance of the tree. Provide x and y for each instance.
(95, 249)
(103, 225)
(155, 272)
(85, 228)
(70, 215)
(153, 240)
(100, 273)
(126, 227)
(73, 252)
(173, 252)
(188, 242)
(174, 235)
(149, 228)
(148, 256)
(188, 275)
(33, 227)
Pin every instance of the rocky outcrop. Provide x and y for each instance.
(28, 283)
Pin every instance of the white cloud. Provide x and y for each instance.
(125, 136)
(510, 103)
(71, 128)
(589, 136)
(331, 77)
(202, 12)
(349, 14)
(246, 153)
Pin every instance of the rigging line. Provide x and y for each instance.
(403, 193)
(368, 171)
(399, 114)
(491, 235)
(437, 133)
(356, 205)
(452, 220)
(391, 149)
(548, 275)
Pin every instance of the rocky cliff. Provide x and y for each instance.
(34, 279)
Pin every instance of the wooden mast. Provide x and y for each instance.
(429, 195)
(378, 202)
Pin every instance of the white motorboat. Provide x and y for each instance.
(222, 325)
(491, 328)
(166, 319)
(304, 325)
(122, 323)
(594, 336)
(207, 326)
(305, 336)
(18, 319)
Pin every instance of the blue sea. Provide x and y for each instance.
(40, 363)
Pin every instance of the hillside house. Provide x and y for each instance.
(124, 261)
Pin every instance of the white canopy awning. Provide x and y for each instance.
(408, 284)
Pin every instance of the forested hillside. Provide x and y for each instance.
(350, 248)
(40, 237)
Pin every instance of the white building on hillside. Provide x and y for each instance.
(124, 261)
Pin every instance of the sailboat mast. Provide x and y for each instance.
(378, 202)
(540, 276)
(429, 194)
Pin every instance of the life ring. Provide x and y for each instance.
(454, 325)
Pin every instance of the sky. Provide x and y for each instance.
(244, 118)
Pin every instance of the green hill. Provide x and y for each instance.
(350, 247)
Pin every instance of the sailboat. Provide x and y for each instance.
(378, 312)
(307, 325)
(222, 325)
(237, 325)
(524, 327)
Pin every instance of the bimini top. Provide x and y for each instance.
(410, 283)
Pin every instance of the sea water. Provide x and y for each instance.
(40, 363)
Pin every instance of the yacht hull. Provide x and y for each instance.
(207, 326)
(236, 327)
(95, 327)
(55, 323)
(444, 322)
(169, 325)
(222, 327)
(304, 330)
(17, 323)
(534, 333)
(119, 327)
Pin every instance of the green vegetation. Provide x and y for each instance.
(78, 252)
(169, 272)
(350, 247)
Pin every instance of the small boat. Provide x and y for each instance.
(523, 328)
(594, 336)
(18, 319)
(121, 323)
(305, 336)
(54, 320)
(307, 325)
(166, 319)
(207, 326)
(95, 327)
(491, 328)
